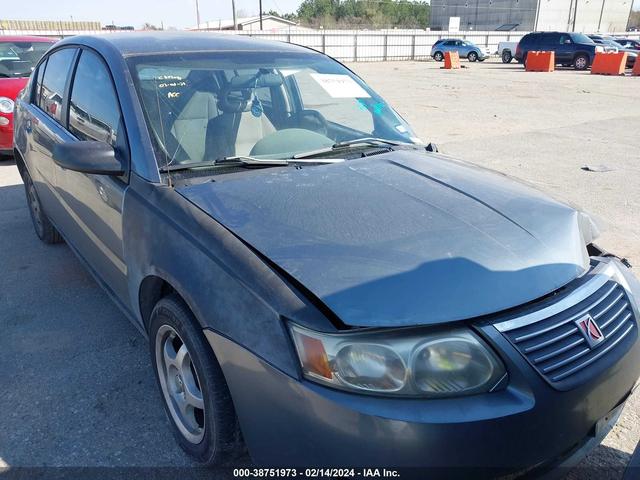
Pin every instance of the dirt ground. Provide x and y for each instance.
(542, 128)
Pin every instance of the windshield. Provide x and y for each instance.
(18, 59)
(580, 38)
(206, 106)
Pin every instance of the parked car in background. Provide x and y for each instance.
(571, 49)
(465, 49)
(506, 51)
(314, 281)
(18, 56)
(610, 45)
(628, 43)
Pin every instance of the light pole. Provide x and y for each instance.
(233, 8)
(197, 16)
(260, 3)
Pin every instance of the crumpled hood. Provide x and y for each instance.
(404, 238)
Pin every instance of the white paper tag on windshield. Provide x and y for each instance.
(340, 86)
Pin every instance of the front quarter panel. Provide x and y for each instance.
(229, 289)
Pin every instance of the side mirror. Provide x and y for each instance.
(94, 157)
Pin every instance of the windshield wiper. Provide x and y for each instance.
(244, 161)
(369, 141)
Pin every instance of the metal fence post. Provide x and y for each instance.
(413, 47)
(288, 37)
(323, 37)
(384, 47)
(355, 47)
(487, 45)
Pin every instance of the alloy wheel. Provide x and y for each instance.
(180, 384)
(581, 63)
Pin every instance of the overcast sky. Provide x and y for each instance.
(172, 13)
(177, 13)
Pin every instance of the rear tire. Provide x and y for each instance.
(438, 56)
(472, 57)
(43, 227)
(506, 56)
(581, 62)
(196, 397)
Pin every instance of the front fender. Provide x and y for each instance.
(228, 288)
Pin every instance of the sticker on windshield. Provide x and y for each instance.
(340, 86)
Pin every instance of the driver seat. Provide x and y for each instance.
(236, 130)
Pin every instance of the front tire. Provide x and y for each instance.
(43, 227)
(438, 56)
(472, 57)
(506, 56)
(581, 62)
(196, 397)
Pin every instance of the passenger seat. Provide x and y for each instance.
(190, 125)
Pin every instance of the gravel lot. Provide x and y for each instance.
(77, 387)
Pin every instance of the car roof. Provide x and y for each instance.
(148, 43)
(26, 38)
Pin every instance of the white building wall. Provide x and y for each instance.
(558, 15)
(553, 15)
(267, 25)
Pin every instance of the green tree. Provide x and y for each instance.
(364, 13)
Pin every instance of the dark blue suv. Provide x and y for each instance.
(571, 49)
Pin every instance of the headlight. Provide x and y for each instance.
(6, 105)
(599, 49)
(452, 363)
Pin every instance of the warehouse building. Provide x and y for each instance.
(526, 15)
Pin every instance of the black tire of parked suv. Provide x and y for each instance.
(472, 57)
(506, 56)
(41, 224)
(581, 61)
(438, 56)
(222, 441)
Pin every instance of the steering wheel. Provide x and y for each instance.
(312, 120)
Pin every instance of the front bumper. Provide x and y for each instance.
(289, 421)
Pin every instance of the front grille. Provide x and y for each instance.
(555, 346)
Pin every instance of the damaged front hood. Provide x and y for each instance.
(404, 238)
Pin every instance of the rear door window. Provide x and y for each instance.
(94, 112)
(54, 81)
(563, 39)
(35, 97)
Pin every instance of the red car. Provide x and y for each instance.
(18, 57)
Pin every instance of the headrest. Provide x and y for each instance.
(203, 80)
(237, 94)
(230, 101)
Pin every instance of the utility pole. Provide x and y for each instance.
(260, 3)
(233, 7)
(197, 15)
(600, 19)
